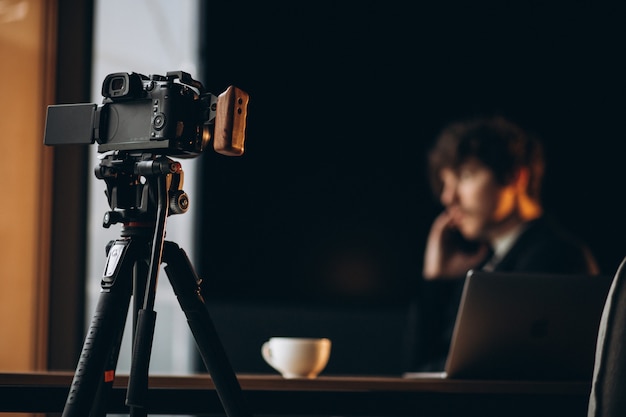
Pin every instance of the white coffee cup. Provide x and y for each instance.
(297, 357)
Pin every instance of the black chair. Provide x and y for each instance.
(608, 392)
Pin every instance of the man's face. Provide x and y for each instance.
(476, 202)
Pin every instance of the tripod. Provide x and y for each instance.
(142, 192)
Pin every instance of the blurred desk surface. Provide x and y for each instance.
(46, 392)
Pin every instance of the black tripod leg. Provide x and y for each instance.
(139, 288)
(185, 283)
(95, 372)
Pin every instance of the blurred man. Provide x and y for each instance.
(487, 174)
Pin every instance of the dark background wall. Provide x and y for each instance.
(329, 204)
(346, 97)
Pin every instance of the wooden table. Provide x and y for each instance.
(327, 395)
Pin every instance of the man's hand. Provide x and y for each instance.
(444, 257)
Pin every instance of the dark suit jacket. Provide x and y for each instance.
(541, 248)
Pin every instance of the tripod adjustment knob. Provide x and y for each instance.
(179, 202)
(111, 217)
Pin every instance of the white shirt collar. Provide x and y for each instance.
(503, 243)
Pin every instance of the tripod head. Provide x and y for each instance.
(132, 185)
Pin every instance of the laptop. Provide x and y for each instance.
(527, 326)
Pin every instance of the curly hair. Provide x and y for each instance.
(496, 142)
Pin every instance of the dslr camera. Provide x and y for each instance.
(166, 115)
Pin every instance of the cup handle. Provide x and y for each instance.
(266, 352)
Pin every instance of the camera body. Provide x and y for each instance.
(165, 115)
(152, 114)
